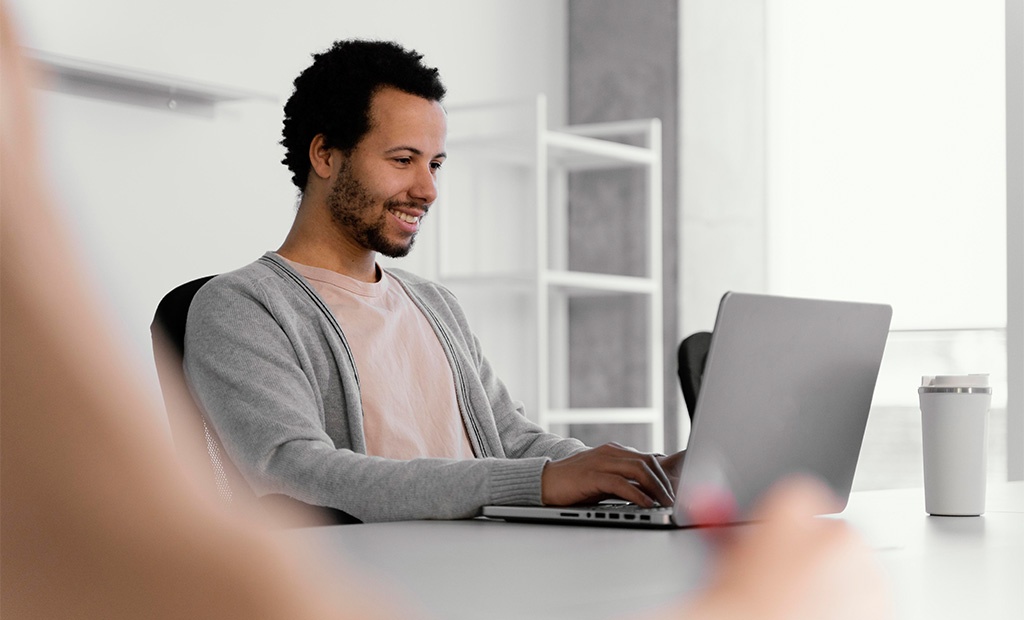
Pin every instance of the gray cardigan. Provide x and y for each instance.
(270, 366)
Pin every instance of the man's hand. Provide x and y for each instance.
(673, 464)
(607, 471)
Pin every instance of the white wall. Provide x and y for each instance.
(157, 197)
(485, 49)
(722, 165)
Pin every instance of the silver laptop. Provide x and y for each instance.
(786, 389)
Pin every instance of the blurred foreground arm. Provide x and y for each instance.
(791, 565)
(97, 519)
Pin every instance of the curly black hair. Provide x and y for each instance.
(332, 96)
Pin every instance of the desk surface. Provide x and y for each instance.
(938, 567)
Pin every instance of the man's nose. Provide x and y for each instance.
(424, 186)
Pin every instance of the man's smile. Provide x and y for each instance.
(408, 217)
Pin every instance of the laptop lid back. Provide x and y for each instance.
(786, 389)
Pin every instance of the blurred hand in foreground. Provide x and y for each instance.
(790, 564)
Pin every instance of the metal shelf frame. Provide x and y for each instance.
(549, 156)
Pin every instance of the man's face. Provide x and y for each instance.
(385, 186)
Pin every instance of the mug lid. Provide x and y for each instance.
(972, 380)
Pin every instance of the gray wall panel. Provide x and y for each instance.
(622, 65)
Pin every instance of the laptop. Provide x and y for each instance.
(786, 390)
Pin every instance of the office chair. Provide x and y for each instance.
(194, 437)
(693, 353)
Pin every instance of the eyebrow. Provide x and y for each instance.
(413, 150)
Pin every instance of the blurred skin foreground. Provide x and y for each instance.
(97, 519)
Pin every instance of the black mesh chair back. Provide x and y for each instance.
(193, 437)
(693, 353)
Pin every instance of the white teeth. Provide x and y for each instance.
(405, 217)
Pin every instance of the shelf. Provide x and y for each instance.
(580, 283)
(574, 283)
(576, 152)
(566, 149)
(609, 128)
(106, 81)
(624, 415)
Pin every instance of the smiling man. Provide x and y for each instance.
(344, 385)
(376, 192)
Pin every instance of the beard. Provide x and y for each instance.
(354, 209)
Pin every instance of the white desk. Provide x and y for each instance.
(939, 567)
(948, 567)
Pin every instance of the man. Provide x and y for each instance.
(340, 384)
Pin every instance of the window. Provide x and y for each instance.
(886, 181)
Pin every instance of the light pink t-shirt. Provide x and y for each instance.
(406, 383)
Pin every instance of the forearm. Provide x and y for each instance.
(291, 455)
(375, 489)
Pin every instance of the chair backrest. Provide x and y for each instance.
(194, 437)
(693, 353)
(172, 312)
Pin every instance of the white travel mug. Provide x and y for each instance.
(954, 426)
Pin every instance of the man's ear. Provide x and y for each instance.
(322, 158)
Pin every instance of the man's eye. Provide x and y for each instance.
(436, 165)
(403, 160)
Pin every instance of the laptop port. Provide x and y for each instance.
(645, 517)
(628, 517)
(569, 514)
(599, 515)
(613, 515)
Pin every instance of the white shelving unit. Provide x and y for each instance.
(503, 239)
